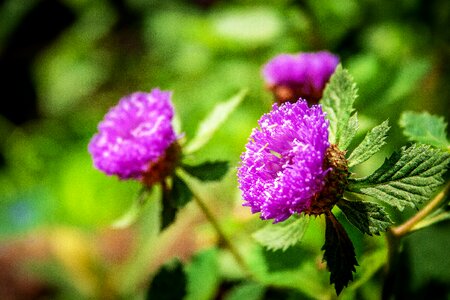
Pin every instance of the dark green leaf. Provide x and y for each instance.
(213, 121)
(337, 102)
(174, 198)
(406, 178)
(339, 254)
(425, 128)
(371, 144)
(368, 217)
(168, 284)
(169, 209)
(181, 194)
(282, 235)
(208, 171)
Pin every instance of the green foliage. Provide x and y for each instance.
(173, 198)
(282, 235)
(339, 254)
(248, 291)
(368, 217)
(337, 101)
(202, 275)
(169, 283)
(208, 171)
(213, 121)
(407, 178)
(425, 128)
(372, 143)
(181, 194)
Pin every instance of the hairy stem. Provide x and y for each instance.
(228, 244)
(395, 234)
(405, 228)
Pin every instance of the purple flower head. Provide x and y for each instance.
(303, 75)
(282, 169)
(134, 134)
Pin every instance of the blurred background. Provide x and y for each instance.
(64, 63)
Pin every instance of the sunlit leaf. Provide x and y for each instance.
(202, 276)
(213, 121)
(337, 101)
(282, 235)
(371, 144)
(407, 178)
(425, 128)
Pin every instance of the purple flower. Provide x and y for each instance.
(134, 134)
(282, 169)
(304, 75)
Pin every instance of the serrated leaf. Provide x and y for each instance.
(407, 178)
(368, 217)
(339, 254)
(372, 143)
(282, 235)
(337, 101)
(208, 171)
(213, 121)
(168, 284)
(349, 132)
(425, 128)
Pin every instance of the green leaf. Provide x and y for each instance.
(349, 132)
(372, 143)
(247, 291)
(406, 178)
(282, 235)
(203, 275)
(169, 283)
(339, 254)
(208, 171)
(174, 198)
(181, 194)
(337, 101)
(213, 121)
(425, 128)
(368, 217)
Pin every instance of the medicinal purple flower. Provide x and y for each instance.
(303, 75)
(136, 136)
(286, 166)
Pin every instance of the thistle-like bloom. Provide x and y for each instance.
(134, 135)
(303, 75)
(284, 168)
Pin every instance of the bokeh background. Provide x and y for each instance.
(64, 63)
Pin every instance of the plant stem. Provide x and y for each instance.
(406, 227)
(395, 234)
(212, 219)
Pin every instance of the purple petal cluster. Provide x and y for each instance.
(282, 168)
(305, 73)
(134, 134)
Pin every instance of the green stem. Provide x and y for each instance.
(212, 219)
(405, 228)
(395, 234)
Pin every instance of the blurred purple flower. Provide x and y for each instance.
(303, 75)
(134, 134)
(282, 169)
